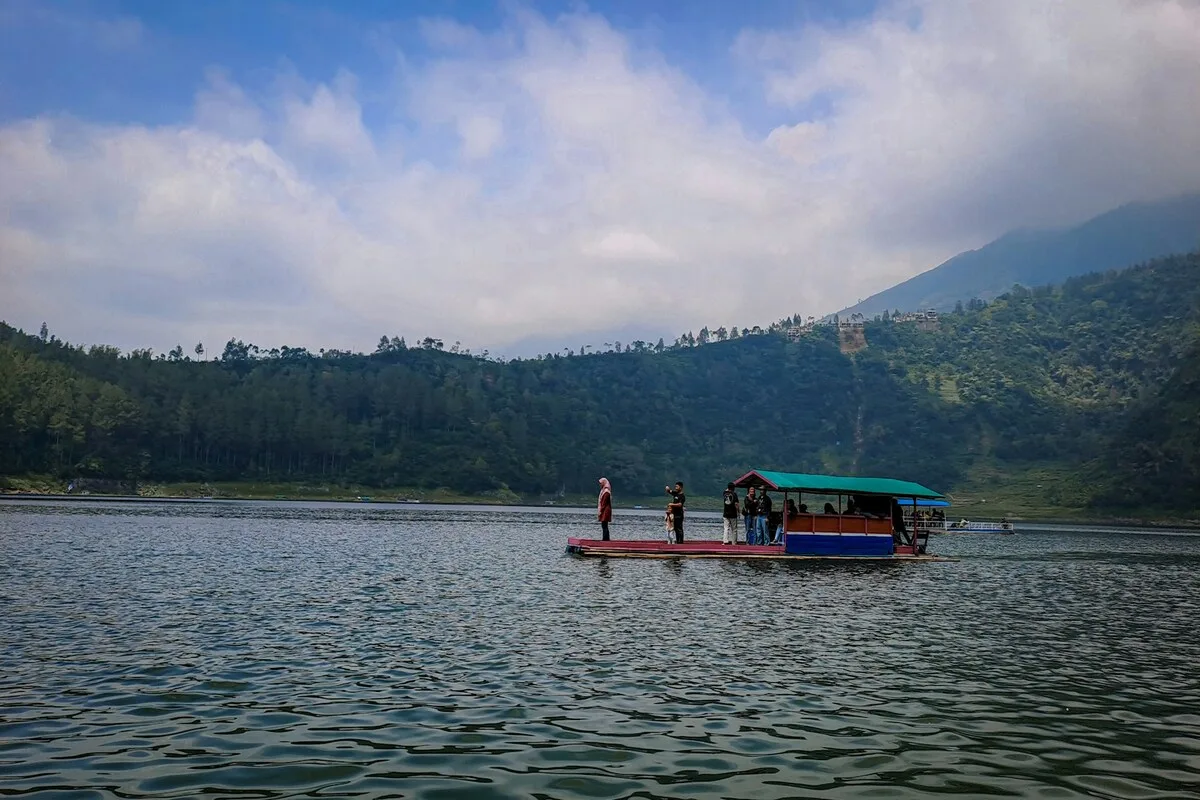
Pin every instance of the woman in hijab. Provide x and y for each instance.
(604, 506)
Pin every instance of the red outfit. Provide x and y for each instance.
(604, 506)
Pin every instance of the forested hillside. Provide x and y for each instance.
(1066, 375)
(422, 417)
(1155, 460)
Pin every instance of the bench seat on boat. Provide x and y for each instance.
(835, 523)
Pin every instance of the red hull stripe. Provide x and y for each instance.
(659, 546)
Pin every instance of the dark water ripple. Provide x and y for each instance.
(291, 650)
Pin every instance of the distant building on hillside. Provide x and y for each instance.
(925, 320)
(794, 331)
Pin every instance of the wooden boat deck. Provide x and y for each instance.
(657, 548)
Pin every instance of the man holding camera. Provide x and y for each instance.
(729, 515)
(676, 508)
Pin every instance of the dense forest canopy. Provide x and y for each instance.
(1070, 374)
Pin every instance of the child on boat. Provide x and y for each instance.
(670, 526)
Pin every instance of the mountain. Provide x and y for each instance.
(1098, 373)
(1119, 238)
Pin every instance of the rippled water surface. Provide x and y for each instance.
(293, 650)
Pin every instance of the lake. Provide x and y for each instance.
(269, 650)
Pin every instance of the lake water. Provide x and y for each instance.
(293, 650)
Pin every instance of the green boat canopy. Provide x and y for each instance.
(833, 484)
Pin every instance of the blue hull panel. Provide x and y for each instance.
(835, 544)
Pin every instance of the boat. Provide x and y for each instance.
(972, 526)
(868, 531)
(935, 521)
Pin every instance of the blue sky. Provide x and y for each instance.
(51, 68)
(523, 176)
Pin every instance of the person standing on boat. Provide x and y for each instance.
(676, 509)
(750, 514)
(899, 530)
(729, 516)
(764, 515)
(604, 507)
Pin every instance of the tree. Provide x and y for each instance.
(236, 351)
(44, 333)
(199, 350)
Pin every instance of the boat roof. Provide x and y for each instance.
(833, 484)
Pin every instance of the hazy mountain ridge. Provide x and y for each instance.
(1128, 235)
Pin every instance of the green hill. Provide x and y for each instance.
(1119, 238)
(1154, 463)
(1020, 398)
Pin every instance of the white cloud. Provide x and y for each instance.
(223, 107)
(118, 34)
(79, 30)
(480, 134)
(329, 122)
(557, 183)
(957, 120)
(621, 245)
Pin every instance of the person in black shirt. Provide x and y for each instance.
(729, 515)
(899, 531)
(764, 516)
(676, 509)
(750, 514)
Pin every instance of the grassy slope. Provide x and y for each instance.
(247, 490)
(1036, 492)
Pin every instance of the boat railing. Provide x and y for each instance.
(988, 526)
(942, 526)
(933, 525)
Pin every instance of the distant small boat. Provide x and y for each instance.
(927, 515)
(409, 500)
(364, 499)
(967, 526)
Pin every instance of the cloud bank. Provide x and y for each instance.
(548, 181)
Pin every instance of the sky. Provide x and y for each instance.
(527, 176)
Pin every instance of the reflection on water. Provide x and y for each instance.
(282, 650)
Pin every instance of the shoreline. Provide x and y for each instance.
(438, 498)
(151, 498)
